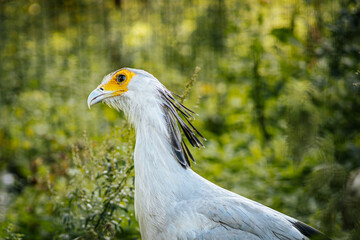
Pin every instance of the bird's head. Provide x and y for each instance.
(126, 88)
(144, 99)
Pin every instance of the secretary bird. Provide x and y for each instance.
(171, 200)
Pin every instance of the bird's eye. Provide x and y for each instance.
(120, 78)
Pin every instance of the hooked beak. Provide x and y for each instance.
(97, 96)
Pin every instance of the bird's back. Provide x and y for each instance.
(211, 212)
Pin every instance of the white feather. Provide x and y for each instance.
(173, 202)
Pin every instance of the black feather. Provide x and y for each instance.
(188, 151)
(184, 111)
(309, 232)
(182, 106)
(186, 156)
(174, 141)
(174, 113)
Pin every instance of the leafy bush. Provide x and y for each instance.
(91, 198)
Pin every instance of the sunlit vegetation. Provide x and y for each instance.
(277, 95)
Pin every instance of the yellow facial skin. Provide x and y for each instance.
(115, 86)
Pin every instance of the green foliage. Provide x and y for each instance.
(92, 197)
(99, 203)
(8, 233)
(277, 98)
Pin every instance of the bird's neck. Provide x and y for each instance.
(159, 179)
(154, 158)
(161, 182)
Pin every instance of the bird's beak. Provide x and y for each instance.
(97, 96)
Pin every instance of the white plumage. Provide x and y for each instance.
(171, 200)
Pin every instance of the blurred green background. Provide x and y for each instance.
(277, 98)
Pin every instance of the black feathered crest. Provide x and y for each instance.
(173, 110)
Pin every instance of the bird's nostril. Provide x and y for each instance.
(102, 89)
